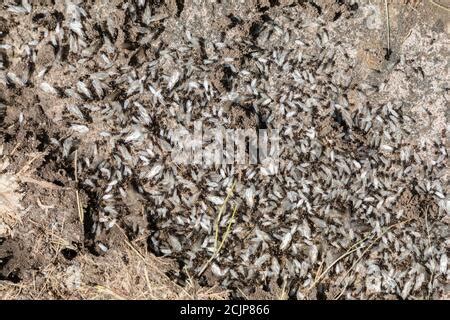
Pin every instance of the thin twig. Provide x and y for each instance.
(440, 5)
(364, 253)
(228, 230)
(430, 285)
(426, 226)
(75, 165)
(219, 216)
(79, 204)
(331, 266)
(26, 167)
(283, 295)
(224, 238)
(388, 26)
(243, 294)
(15, 148)
(80, 208)
(103, 289)
(352, 249)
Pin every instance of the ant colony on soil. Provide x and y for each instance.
(264, 146)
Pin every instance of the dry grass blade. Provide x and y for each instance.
(104, 290)
(388, 26)
(364, 253)
(352, 249)
(77, 195)
(219, 216)
(440, 6)
(224, 238)
(128, 243)
(80, 208)
(75, 165)
(144, 259)
(227, 231)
